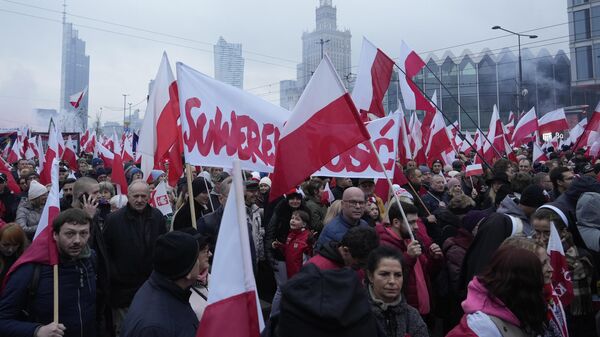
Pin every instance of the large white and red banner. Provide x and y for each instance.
(221, 123)
(360, 161)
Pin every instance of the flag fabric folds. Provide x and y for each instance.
(553, 121)
(324, 124)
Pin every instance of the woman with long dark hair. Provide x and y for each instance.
(13, 242)
(508, 296)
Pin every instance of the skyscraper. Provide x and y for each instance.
(229, 63)
(75, 74)
(326, 38)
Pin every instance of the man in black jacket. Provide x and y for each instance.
(129, 236)
(161, 307)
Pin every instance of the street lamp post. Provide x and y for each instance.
(520, 84)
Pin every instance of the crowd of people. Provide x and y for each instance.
(444, 254)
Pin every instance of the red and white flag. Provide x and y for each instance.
(233, 307)
(43, 249)
(160, 199)
(526, 126)
(13, 186)
(592, 127)
(52, 152)
(576, 132)
(416, 139)
(499, 145)
(473, 170)
(373, 79)
(510, 126)
(162, 112)
(127, 154)
(538, 153)
(113, 160)
(89, 145)
(438, 141)
(411, 64)
(327, 196)
(324, 114)
(70, 154)
(553, 121)
(15, 152)
(561, 276)
(467, 144)
(404, 151)
(76, 98)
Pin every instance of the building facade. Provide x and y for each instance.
(229, 63)
(478, 81)
(326, 38)
(75, 75)
(584, 45)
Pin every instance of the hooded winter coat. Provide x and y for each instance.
(479, 310)
(28, 217)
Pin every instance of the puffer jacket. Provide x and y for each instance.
(317, 213)
(28, 217)
(76, 307)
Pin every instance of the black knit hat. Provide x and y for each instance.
(200, 185)
(175, 254)
(533, 196)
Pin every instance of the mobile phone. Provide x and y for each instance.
(82, 198)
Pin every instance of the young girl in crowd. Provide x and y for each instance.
(13, 242)
(372, 215)
(299, 243)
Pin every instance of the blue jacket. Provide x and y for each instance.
(76, 303)
(336, 229)
(160, 308)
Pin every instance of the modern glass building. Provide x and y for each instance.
(469, 85)
(584, 44)
(229, 63)
(75, 74)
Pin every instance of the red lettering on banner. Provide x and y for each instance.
(245, 137)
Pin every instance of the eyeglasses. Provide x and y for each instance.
(356, 202)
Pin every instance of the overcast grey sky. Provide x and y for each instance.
(270, 31)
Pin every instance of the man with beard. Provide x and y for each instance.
(26, 313)
(67, 197)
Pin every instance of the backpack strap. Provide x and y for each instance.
(32, 288)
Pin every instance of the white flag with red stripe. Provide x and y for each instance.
(324, 124)
(327, 196)
(416, 139)
(160, 199)
(553, 121)
(404, 151)
(233, 306)
(52, 152)
(162, 112)
(76, 98)
(467, 144)
(526, 126)
(438, 141)
(373, 79)
(473, 170)
(538, 153)
(113, 160)
(411, 64)
(70, 154)
(15, 152)
(561, 276)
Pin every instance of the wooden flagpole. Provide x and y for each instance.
(188, 174)
(55, 270)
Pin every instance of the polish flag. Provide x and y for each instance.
(496, 136)
(416, 139)
(473, 170)
(510, 126)
(233, 308)
(89, 145)
(327, 196)
(561, 276)
(52, 153)
(527, 125)
(467, 144)
(404, 151)
(411, 64)
(538, 154)
(324, 115)
(427, 123)
(374, 74)
(162, 112)
(576, 132)
(32, 149)
(70, 155)
(12, 183)
(439, 141)
(128, 154)
(160, 199)
(478, 146)
(76, 98)
(84, 138)
(43, 249)
(553, 121)
(15, 153)
(114, 161)
(593, 126)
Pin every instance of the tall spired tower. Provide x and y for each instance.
(75, 74)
